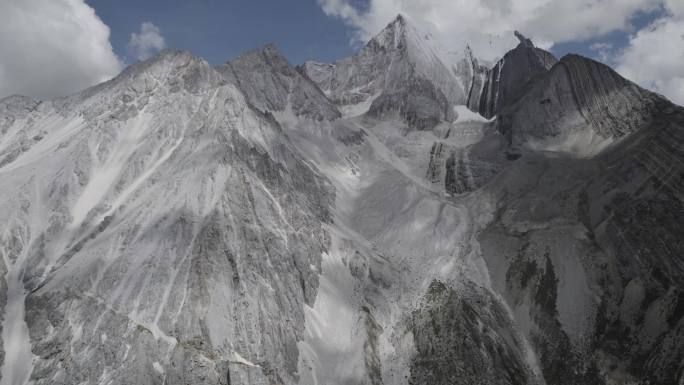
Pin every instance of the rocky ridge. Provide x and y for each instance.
(355, 222)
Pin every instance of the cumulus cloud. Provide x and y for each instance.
(50, 48)
(654, 57)
(488, 24)
(147, 42)
(604, 50)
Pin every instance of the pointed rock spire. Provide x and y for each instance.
(508, 78)
(523, 40)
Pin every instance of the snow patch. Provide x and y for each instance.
(238, 359)
(105, 175)
(581, 143)
(464, 114)
(18, 365)
(157, 367)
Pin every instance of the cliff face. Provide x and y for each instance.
(507, 80)
(580, 106)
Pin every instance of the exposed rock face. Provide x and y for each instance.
(399, 70)
(600, 227)
(419, 103)
(353, 223)
(465, 338)
(167, 231)
(476, 75)
(579, 106)
(271, 84)
(635, 217)
(506, 82)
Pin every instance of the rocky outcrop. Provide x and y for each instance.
(506, 82)
(419, 103)
(476, 76)
(465, 339)
(580, 106)
(271, 84)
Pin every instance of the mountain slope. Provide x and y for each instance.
(583, 231)
(150, 225)
(256, 223)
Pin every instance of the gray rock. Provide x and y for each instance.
(183, 223)
(505, 83)
(579, 100)
(398, 71)
(271, 84)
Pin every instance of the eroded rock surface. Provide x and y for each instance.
(348, 223)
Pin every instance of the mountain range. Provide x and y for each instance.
(407, 215)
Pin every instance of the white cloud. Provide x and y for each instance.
(604, 51)
(654, 57)
(147, 42)
(485, 23)
(51, 48)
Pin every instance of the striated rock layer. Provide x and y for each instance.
(507, 81)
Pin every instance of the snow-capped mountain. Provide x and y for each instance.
(403, 216)
(401, 70)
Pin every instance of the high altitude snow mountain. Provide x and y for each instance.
(407, 215)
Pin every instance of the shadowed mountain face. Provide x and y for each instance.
(403, 216)
(507, 81)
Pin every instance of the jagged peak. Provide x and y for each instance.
(400, 33)
(392, 35)
(16, 100)
(271, 50)
(169, 66)
(170, 56)
(400, 20)
(268, 55)
(416, 41)
(166, 58)
(547, 59)
(523, 39)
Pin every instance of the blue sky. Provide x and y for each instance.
(50, 48)
(218, 30)
(618, 40)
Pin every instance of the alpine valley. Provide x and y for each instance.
(407, 215)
